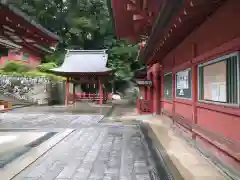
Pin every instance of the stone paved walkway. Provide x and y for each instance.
(102, 153)
(46, 120)
(92, 152)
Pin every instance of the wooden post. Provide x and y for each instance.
(156, 89)
(100, 92)
(145, 92)
(149, 87)
(162, 91)
(74, 93)
(194, 90)
(173, 93)
(67, 91)
(173, 88)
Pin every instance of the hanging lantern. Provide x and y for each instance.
(94, 85)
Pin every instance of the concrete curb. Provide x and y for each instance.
(164, 166)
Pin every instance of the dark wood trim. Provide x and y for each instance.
(167, 100)
(184, 101)
(167, 113)
(182, 121)
(228, 146)
(224, 49)
(170, 9)
(234, 111)
(232, 148)
(182, 66)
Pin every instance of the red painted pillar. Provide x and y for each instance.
(74, 93)
(149, 87)
(173, 93)
(194, 97)
(156, 90)
(194, 88)
(162, 90)
(67, 91)
(100, 92)
(145, 93)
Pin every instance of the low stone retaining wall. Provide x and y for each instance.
(27, 89)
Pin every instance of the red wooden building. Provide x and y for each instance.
(27, 40)
(192, 58)
(85, 67)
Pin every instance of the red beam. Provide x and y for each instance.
(31, 48)
(25, 32)
(5, 12)
(190, 16)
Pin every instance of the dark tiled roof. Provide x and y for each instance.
(28, 19)
(84, 62)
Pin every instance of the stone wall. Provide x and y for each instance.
(26, 89)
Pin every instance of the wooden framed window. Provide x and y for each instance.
(219, 80)
(168, 86)
(184, 84)
(25, 57)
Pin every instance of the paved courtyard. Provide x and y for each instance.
(93, 151)
(46, 120)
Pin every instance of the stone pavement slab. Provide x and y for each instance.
(92, 153)
(46, 120)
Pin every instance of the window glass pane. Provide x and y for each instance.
(232, 80)
(214, 82)
(25, 57)
(168, 86)
(219, 81)
(184, 84)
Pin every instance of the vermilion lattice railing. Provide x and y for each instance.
(90, 96)
(144, 106)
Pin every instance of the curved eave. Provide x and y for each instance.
(79, 74)
(175, 24)
(134, 24)
(168, 11)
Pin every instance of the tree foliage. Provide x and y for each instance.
(46, 66)
(83, 24)
(15, 67)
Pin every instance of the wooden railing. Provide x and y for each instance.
(144, 106)
(90, 96)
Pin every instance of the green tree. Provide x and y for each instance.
(83, 24)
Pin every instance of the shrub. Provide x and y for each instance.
(46, 66)
(16, 67)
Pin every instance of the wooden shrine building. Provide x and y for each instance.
(21, 38)
(192, 58)
(85, 67)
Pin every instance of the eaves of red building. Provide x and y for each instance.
(20, 29)
(134, 19)
(186, 35)
(176, 20)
